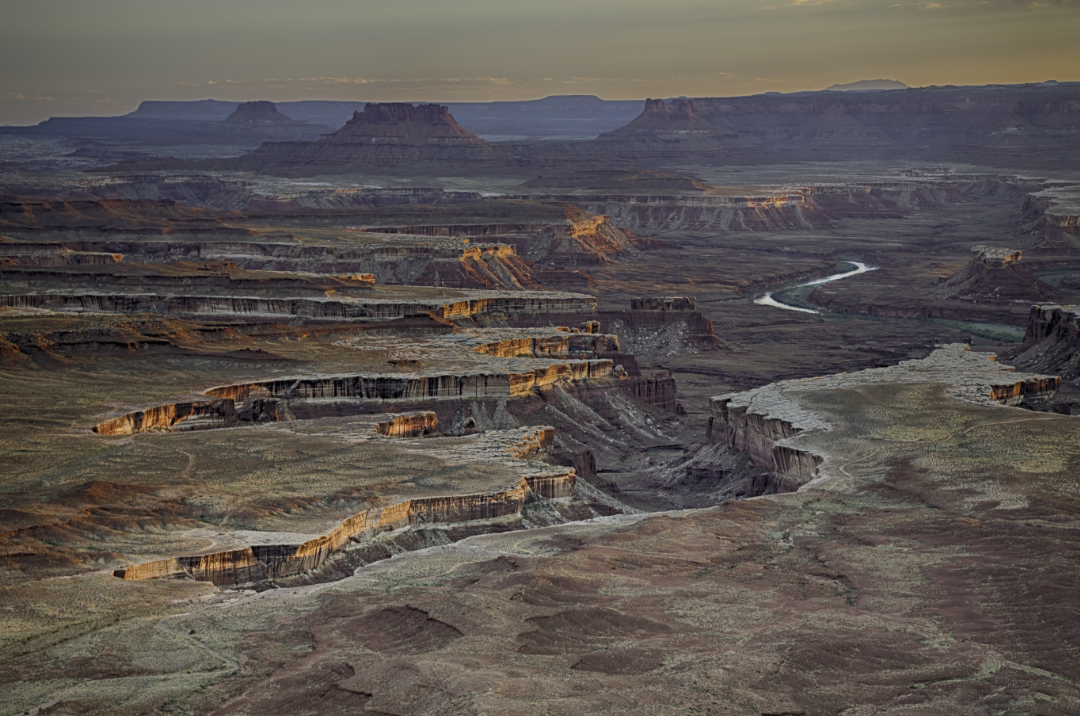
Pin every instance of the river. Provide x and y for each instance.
(768, 300)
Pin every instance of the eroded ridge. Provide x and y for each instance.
(472, 364)
(470, 303)
(765, 422)
(260, 556)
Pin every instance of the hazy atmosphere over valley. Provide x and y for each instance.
(622, 357)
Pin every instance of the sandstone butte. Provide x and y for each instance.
(260, 112)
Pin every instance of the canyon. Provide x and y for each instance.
(418, 409)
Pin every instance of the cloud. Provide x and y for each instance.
(455, 85)
(989, 5)
(803, 3)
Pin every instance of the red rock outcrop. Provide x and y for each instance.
(409, 426)
(194, 416)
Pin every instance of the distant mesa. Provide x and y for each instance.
(402, 123)
(678, 117)
(261, 112)
(863, 85)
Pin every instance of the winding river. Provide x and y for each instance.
(768, 300)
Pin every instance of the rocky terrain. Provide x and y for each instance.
(402, 419)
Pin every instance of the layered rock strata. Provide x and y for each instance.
(418, 386)
(477, 302)
(410, 259)
(194, 416)
(409, 426)
(1051, 216)
(477, 364)
(263, 560)
(764, 423)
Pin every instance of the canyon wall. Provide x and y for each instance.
(417, 387)
(522, 302)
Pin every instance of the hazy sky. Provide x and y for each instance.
(101, 57)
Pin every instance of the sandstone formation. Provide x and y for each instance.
(209, 414)
(528, 361)
(1052, 343)
(427, 387)
(995, 274)
(481, 302)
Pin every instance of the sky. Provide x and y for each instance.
(102, 57)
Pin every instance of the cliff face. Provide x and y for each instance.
(1052, 344)
(662, 326)
(416, 387)
(1051, 217)
(409, 426)
(523, 302)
